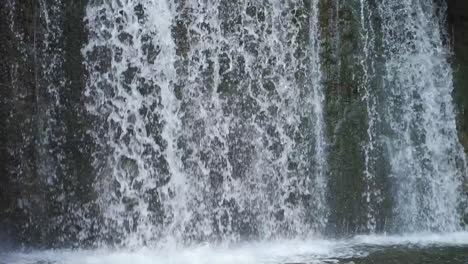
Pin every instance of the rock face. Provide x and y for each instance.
(346, 116)
(44, 150)
(17, 95)
(458, 27)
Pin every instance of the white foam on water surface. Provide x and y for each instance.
(275, 252)
(420, 239)
(280, 251)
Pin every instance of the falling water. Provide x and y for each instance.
(216, 121)
(427, 161)
(371, 193)
(205, 128)
(131, 58)
(318, 98)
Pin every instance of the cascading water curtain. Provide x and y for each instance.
(426, 159)
(130, 58)
(209, 119)
(162, 122)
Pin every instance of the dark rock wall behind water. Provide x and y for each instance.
(46, 178)
(347, 120)
(46, 184)
(458, 27)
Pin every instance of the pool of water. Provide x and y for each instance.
(409, 249)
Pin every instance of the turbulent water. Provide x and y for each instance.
(418, 249)
(220, 122)
(427, 161)
(216, 129)
(206, 132)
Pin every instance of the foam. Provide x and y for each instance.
(280, 251)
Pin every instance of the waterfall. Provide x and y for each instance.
(318, 102)
(205, 129)
(426, 159)
(166, 122)
(130, 59)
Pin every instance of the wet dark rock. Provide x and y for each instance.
(37, 196)
(458, 26)
(458, 29)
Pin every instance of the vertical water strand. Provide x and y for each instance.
(174, 196)
(426, 158)
(399, 114)
(49, 83)
(129, 58)
(239, 45)
(195, 28)
(442, 14)
(213, 88)
(276, 52)
(443, 146)
(11, 7)
(267, 58)
(318, 102)
(371, 193)
(206, 125)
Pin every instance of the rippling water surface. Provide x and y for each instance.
(413, 249)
